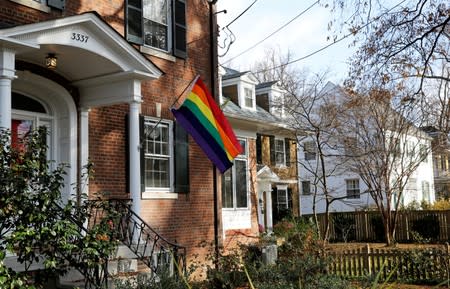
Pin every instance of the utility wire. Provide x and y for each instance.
(329, 45)
(276, 31)
(242, 13)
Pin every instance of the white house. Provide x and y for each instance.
(345, 186)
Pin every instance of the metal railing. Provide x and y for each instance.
(156, 252)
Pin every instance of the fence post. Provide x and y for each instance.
(366, 257)
(447, 260)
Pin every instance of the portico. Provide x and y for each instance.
(96, 67)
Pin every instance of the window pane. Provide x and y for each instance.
(155, 34)
(20, 129)
(157, 155)
(243, 144)
(227, 190)
(306, 188)
(157, 173)
(241, 183)
(156, 10)
(279, 152)
(22, 102)
(353, 188)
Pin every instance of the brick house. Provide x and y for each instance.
(103, 82)
(262, 187)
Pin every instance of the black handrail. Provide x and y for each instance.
(158, 253)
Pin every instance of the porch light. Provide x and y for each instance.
(50, 61)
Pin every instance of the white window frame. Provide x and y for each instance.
(249, 99)
(242, 157)
(283, 152)
(352, 188)
(157, 192)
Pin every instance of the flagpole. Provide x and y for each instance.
(213, 59)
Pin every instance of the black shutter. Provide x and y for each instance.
(287, 150)
(179, 28)
(272, 150)
(181, 160)
(58, 4)
(142, 141)
(258, 149)
(134, 22)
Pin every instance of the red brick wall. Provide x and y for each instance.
(188, 219)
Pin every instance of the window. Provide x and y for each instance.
(306, 187)
(248, 97)
(164, 158)
(309, 148)
(158, 156)
(423, 153)
(234, 183)
(410, 148)
(280, 158)
(353, 191)
(426, 191)
(159, 24)
(282, 199)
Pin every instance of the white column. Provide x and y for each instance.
(135, 164)
(269, 210)
(84, 150)
(7, 74)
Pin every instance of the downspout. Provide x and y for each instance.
(213, 81)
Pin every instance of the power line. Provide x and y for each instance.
(276, 31)
(328, 45)
(242, 13)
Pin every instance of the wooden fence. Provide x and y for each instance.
(368, 226)
(430, 265)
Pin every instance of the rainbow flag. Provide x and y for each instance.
(201, 117)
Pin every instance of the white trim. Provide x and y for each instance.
(163, 190)
(64, 112)
(159, 195)
(105, 41)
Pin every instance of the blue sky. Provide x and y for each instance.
(304, 35)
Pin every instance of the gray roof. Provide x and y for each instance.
(260, 115)
(231, 73)
(265, 84)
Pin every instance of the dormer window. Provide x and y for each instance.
(248, 97)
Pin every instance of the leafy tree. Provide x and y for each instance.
(35, 224)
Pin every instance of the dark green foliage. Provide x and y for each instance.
(34, 222)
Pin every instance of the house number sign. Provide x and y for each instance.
(79, 37)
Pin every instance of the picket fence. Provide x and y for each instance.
(427, 265)
(367, 226)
